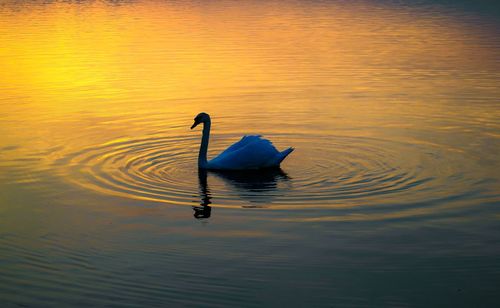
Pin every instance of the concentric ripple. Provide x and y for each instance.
(324, 172)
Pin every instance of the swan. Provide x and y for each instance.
(250, 153)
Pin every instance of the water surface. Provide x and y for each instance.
(390, 198)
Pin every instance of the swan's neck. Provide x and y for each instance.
(202, 156)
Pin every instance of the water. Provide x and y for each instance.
(390, 198)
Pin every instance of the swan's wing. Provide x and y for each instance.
(251, 152)
(245, 140)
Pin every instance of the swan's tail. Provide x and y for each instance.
(283, 155)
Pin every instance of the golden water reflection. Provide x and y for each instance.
(391, 106)
(347, 84)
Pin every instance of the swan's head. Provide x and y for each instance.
(200, 118)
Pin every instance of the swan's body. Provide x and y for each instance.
(250, 153)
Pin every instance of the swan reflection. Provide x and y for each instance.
(204, 210)
(252, 186)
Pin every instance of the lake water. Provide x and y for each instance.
(391, 197)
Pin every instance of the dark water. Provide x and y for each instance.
(391, 197)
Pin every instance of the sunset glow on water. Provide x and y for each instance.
(389, 199)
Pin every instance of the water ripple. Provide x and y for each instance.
(336, 172)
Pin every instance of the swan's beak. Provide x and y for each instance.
(194, 124)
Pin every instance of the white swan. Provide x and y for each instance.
(251, 152)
